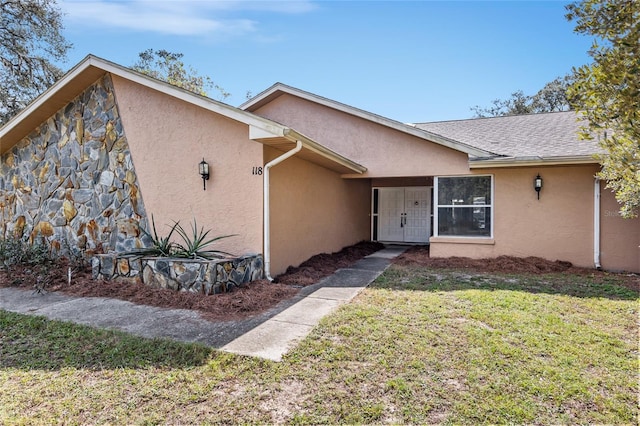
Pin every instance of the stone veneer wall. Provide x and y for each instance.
(72, 180)
(200, 276)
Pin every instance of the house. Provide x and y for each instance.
(293, 174)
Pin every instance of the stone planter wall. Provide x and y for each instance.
(198, 276)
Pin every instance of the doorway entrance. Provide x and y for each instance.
(402, 214)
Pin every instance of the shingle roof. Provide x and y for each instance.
(534, 135)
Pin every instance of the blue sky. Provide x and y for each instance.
(409, 61)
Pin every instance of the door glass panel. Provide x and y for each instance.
(375, 201)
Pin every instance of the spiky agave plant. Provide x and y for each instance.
(196, 245)
(160, 246)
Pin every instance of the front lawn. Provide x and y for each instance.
(418, 346)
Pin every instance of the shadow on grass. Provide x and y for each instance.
(595, 285)
(29, 342)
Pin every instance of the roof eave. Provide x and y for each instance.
(40, 109)
(531, 161)
(91, 69)
(279, 89)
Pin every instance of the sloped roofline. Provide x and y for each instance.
(91, 68)
(279, 89)
(530, 161)
(535, 157)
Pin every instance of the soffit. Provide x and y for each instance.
(86, 73)
(44, 107)
(308, 153)
(92, 68)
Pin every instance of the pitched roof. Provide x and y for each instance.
(278, 89)
(551, 137)
(91, 68)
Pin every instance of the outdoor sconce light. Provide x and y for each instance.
(203, 168)
(537, 184)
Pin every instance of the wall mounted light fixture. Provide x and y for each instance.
(537, 184)
(203, 168)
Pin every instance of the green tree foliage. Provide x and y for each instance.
(607, 92)
(30, 39)
(168, 66)
(552, 97)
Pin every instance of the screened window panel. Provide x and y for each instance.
(464, 221)
(472, 190)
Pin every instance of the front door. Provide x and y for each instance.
(404, 214)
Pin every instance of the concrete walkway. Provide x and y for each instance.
(269, 335)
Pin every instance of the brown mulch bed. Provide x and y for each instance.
(419, 255)
(322, 265)
(259, 296)
(249, 300)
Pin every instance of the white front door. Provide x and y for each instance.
(404, 214)
(391, 214)
(417, 212)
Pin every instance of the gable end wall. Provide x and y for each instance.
(72, 180)
(384, 151)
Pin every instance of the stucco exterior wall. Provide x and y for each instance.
(399, 182)
(168, 138)
(620, 238)
(313, 210)
(559, 226)
(385, 152)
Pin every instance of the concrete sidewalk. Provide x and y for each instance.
(269, 335)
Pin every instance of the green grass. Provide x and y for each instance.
(418, 346)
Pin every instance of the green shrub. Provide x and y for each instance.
(33, 255)
(21, 252)
(160, 246)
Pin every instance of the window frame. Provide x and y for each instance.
(437, 206)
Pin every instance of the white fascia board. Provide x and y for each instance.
(152, 83)
(387, 122)
(257, 133)
(531, 161)
(262, 133)
(262, 95)
(195, 99)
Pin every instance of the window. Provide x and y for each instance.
(463, 206)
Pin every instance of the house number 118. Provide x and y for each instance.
(256, 170)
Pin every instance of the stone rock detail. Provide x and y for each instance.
(72, 180)
(197, 276)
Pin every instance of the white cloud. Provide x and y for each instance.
(175, 17)
(281, 6)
